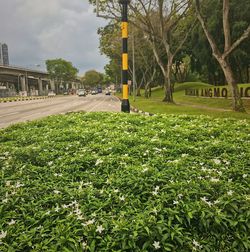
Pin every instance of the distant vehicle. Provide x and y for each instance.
(93, 92)
(51, 93)
(81, 92)
(107, 92)
(99, 90)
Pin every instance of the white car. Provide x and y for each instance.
(51, 93)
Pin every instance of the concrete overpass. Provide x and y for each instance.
(23, 81)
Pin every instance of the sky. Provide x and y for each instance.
(37, 30)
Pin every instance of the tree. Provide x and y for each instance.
(223, 56)
(61, 71)
(93, 78)
(158, 19)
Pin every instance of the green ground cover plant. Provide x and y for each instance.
(120, 182)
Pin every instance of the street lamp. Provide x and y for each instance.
(125, 101)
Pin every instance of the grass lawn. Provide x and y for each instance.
(216, 107)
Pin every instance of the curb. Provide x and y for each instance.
(135, 110)
(5, 100)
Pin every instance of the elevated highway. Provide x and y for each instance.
(23, 81)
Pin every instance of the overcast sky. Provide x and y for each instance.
(36, 30)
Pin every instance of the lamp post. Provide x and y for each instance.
(125, 107)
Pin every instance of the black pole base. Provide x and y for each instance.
(125, 106)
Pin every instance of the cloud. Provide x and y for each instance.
(37, 30)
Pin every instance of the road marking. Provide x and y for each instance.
(96, 105)
(13, 113)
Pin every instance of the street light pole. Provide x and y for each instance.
(125, 102)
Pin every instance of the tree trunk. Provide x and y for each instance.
(236, 99)
(167, 85)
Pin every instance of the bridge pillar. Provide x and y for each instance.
(52, 85)
(23, 83)
(40, 86)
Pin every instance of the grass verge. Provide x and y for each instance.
(215, 107)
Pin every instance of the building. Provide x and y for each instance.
(4, 55)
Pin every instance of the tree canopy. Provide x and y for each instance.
(61, 70)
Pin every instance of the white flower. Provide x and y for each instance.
(215, 180)
(217, 161)
(18, 184)
(220, 173)
(80, 217)
(122, 198)
(12, 222)
(7, 183)
(56, 191)
(156, 245)
(204, 199)
(89, 222)
(145, 170)
(50, 163)
(58, 174)
(84, 244)
(57, 209)
(216, 202)
(155, 192)
(230, 193)
(13, 192)
(116, 190)
(100, 229)
(244, 175)
(196, 244)
(3, 234)
(180, 195)
(184, 155)
(157, 188)
(98, 161)
(175, 202)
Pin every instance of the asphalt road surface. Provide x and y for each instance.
(21, 111)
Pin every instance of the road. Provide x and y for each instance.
(22, 111)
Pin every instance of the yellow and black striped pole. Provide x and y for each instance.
(125, 102)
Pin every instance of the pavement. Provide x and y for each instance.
(21, 111)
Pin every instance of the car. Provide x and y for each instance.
(93, 92)
(81, 93)
(51, 93)
(107, 92)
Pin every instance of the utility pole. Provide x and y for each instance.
(125, 102)
(134, 79)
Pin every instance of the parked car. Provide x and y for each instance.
(81, 93)
(107, 92)
(94, 92)
(51, 93)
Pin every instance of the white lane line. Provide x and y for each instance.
(13, 113)
(96, 105)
